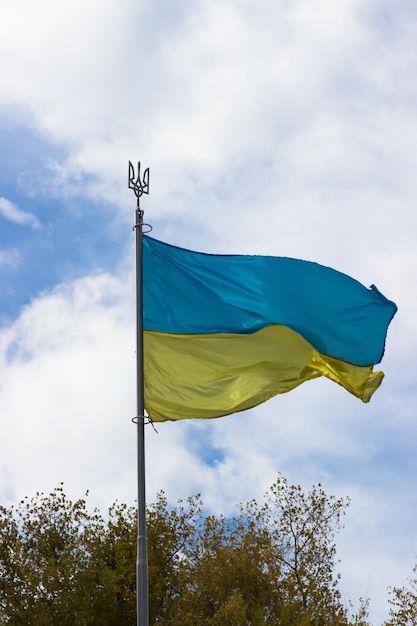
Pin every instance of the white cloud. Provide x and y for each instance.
(227, 80)
(9, 258)
(66, 389)
(11, 212)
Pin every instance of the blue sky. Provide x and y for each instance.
(276, 127)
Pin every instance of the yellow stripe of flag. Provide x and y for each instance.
(205, 376)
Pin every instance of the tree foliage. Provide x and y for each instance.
(272, 563)
(59, 564)
(403, 601)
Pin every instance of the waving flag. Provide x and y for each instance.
(226, 333)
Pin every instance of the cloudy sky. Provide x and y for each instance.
(284, 127)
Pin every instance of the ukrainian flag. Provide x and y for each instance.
(225, 333)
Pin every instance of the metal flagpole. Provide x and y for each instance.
(140, 186)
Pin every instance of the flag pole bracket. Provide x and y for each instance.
(146, 228)
(136, 419)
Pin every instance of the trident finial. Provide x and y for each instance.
(139, 186)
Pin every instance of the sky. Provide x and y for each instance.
(280, 127)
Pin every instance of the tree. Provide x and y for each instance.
(170, 538)
(228, 582)
(302, 528)
(272, 563)
(40, 558)
(59, 564)
(403, 601)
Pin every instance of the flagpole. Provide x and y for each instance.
(140, 186)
